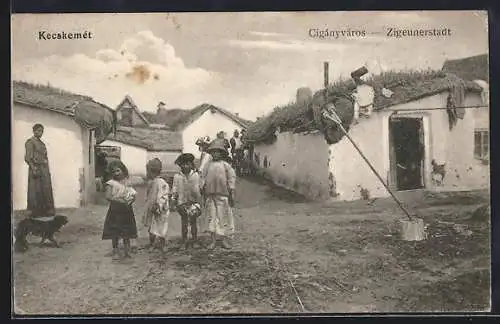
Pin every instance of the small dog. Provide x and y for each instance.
(42, 228)
(438, 172)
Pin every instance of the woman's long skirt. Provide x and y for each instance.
(40, 195)
(120, 222)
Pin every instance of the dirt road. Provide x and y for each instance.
(334, 257)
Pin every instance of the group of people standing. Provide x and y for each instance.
(203, 198)
(236, 148)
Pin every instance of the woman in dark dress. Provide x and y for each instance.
(40, 195)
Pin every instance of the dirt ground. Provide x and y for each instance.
(289, 255)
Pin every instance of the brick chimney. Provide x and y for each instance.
(161, 107)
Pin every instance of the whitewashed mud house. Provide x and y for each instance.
(475, 68)
(416, 129)
(139, 145)
(73, 125)
(136, 140)
(203, 120)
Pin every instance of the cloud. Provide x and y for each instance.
(144, 66)
(287, 45)
(268, 34)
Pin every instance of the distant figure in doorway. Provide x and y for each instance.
(100, 170)
(40, 195)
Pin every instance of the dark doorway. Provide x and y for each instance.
(407, 152)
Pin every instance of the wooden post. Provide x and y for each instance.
(325, 66)
(326, 80)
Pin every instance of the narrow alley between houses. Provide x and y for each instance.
(289, 255)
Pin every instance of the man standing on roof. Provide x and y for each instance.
(363, 95)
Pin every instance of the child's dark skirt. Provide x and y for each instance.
(120, 222)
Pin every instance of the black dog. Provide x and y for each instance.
(38, 227)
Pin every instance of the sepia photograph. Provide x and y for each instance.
(212, 163)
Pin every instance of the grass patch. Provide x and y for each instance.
(466, 292)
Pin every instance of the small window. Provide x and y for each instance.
(481, 144)
(126, 117)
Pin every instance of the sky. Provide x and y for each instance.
(247, 63)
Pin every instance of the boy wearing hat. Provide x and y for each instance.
(218, 184)
(157, 204)
(186, 196)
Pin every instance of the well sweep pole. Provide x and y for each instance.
(339, 123)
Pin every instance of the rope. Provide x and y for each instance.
(437, 108)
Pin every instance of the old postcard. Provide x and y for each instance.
(243, 163)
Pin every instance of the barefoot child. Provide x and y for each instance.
(120, 219)
(218, 184)
(186, 197)
(157, 205)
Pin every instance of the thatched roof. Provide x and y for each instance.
(83, 109)
(148, 138)
(406, 87)
(469, 68)
(178, 119)
(167, 117)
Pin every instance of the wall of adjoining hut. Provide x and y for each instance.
(296, 161)
(87, 173)
(134, 158)
(208, 124)
(67, 144)
(454, 148)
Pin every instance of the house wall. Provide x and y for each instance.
(135, 158)
(167, 159)
(306, 164)
(63, 138)
(298, 162)
(208, 124)
(455, 148)
(481, 118)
